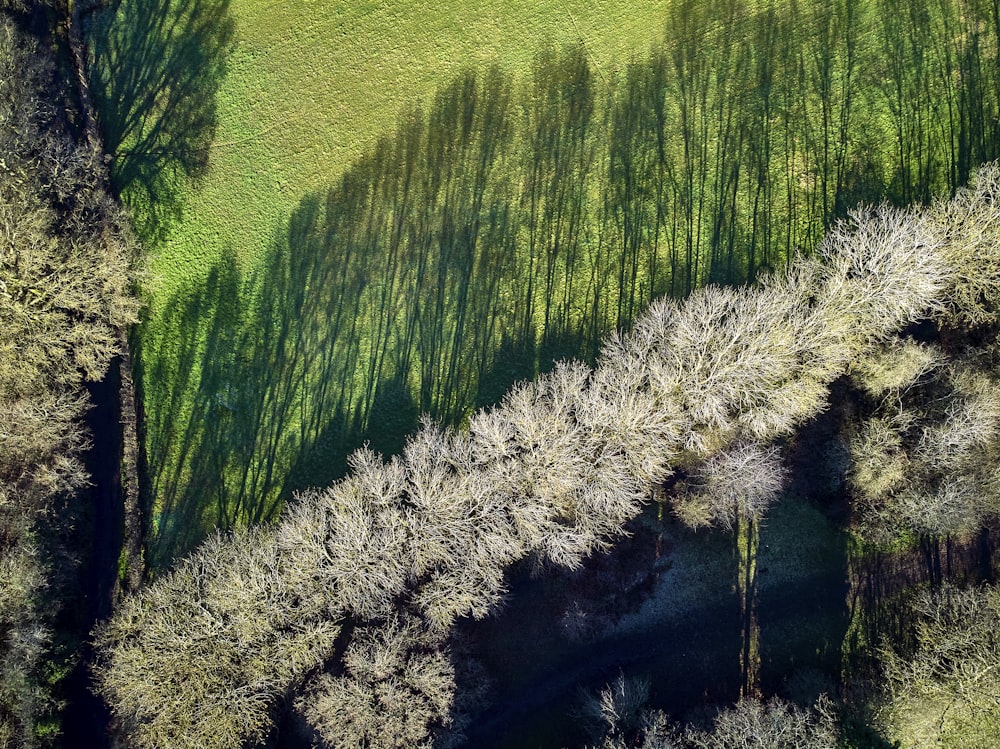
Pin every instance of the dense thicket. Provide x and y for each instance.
(944, 691)
(511, 221)
(342, 600)
(64, 296)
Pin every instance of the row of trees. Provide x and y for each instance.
(65, 270)
(919, 420)
(346, 600)
(511, 221)
(618, 712)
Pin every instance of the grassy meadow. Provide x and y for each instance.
(360, 213)
(309, 87)
(286, 97)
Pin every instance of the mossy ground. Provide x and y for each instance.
(682, 632)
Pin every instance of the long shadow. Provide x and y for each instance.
(802, 627)
(398, 292)
(155, 67)
(186, 426)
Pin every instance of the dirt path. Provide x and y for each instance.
(86, 718)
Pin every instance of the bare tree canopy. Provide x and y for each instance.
(328, 602)
(65, 294)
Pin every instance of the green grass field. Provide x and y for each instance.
(359, 213)
(310, 86)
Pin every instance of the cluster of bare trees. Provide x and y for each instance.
(749, 724)
(925, 458)
(346, 599)
(924, 442)
(929, 463)
(65, 294)
(944, 690)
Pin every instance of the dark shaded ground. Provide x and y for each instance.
(692, 659)
(685, 659)
(823, 606)
(86, 719)
(693, 664)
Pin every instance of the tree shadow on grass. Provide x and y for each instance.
(155, 67)
(397, 292)
(191, 373)
(466, 250)
(500, 226)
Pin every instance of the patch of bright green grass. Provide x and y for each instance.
(311, 85)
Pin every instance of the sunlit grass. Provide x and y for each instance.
(311, 86)
(308, 89)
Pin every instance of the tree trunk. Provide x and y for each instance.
(747, 544)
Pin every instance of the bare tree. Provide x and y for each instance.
(222, 636)
(945, 693)
(397, 681)
(749, 724)
(767, 725)
(616, 710)
(740, 482)
(926, 462)
(967, 227)
(65, 294)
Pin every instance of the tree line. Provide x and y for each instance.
(511, 221)
(347, 600)
(66, 254)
